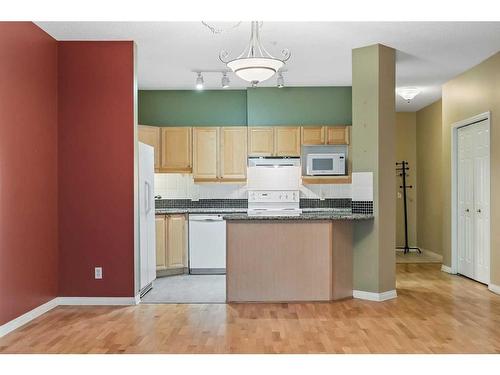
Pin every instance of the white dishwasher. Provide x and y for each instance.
(207, 244)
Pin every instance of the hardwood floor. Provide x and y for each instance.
(434, 313)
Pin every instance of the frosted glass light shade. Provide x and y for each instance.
(255, 69)
(408, 93)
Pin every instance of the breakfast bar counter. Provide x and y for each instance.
(286, 259)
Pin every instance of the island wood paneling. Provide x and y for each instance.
(288, 261)
(341, 259)
(278, 261)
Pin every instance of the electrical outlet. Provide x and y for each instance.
(98, 273)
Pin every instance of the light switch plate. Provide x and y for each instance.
(98, 272)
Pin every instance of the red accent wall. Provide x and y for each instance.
(28, 168)
(96, 151)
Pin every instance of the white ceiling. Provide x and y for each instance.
(429, 53)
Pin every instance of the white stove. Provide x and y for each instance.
(274, 203)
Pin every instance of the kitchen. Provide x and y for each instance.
(212, 180)
(213, 225)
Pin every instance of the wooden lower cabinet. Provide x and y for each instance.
(161, 242)
(176, 241)
(171, 242)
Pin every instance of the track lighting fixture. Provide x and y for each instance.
(280, 82)
(199, 82)
(225, 80)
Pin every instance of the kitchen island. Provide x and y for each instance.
(290, 258)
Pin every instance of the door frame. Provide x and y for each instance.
(454, 184)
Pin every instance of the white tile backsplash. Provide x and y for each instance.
(362, 186)
(182, 186)
(327, 191)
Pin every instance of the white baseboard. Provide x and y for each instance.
(370, 296)
(447, 269)
(494, 288)
(27, 317)
(66, 301)
(96, 301)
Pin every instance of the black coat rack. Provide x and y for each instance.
(401, 169)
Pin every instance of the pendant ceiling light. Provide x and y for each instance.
(255, 64)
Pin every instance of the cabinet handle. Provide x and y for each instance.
(479, 210)
(466, 210)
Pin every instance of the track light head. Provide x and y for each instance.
(199, 82)
(280, 81)
(225, 81)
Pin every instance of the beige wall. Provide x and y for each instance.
(429, 208)
(373, 111)
(406, 149)
(471, 93)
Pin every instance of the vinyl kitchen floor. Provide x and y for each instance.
(188, 289)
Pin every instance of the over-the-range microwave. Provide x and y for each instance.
(325, 164)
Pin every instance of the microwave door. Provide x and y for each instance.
(323, 165)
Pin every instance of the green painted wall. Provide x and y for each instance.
(260, 106)
(188, 108)
(299, 105)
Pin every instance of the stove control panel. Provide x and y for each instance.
(261, 196)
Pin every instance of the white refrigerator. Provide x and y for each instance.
(147, 253)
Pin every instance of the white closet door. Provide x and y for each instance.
(465, 203)
(473, 202)
(481, 154)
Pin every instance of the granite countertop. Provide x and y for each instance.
(164, 211)
(308, 215)
(187, 210)
(241, 214)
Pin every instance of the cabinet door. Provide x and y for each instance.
(176, 241)
(205, 153)
(161, 242)
(287, 141)
(175, 149)
(150, 135)
(338, 135)
(260, 141)
(233, 153)
(313, 135)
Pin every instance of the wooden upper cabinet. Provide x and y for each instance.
(150, 135)
(161, 242)
(260, 141)
(313, 135)
(338, 135)
(287, 141)
(233, 153)
(205, 153)
(176, 241)
(176, 149)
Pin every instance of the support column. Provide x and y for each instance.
(373, 134)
